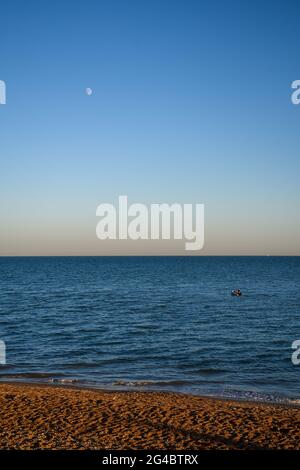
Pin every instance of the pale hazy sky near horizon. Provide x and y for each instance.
(191, 103)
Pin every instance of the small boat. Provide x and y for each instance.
(236, 293)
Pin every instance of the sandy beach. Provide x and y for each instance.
(50, 417)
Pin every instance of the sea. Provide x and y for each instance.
(154, 323)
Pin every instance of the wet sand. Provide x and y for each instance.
(50, 417)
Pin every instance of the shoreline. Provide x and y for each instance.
(285, 403)
(56, 416)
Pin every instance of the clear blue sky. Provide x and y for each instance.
(191, 103)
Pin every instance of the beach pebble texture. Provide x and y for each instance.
(42, 417)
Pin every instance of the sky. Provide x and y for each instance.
(191, 103)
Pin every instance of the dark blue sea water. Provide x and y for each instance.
(166, 323)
